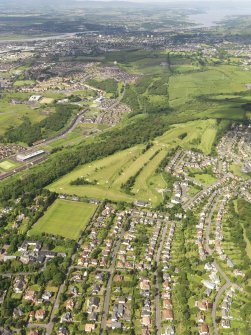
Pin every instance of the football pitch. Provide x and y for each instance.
(64, 218)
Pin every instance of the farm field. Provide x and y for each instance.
(64, 218)
(110, 173)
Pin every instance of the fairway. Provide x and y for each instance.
(111, 172)
(64, 218)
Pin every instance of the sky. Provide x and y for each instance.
(200, 1)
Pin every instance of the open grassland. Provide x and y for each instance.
(110, 173)
(208, 93)
(11, 115)
(64, 218)
(193, 89)
(154, 63)
(216, 80)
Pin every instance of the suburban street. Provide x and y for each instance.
(109, 283)
(157, 287)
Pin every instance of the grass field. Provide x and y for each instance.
(11, 115)
(111, 172)
(46, 101)
(20, 83)
(236, 169)
(205, 178)
(7, 165)
(64, 218)
(207, 93)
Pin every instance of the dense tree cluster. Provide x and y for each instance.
(244, 210)
(159, 87)
(148, 95)
(82, 181)
(107, 85)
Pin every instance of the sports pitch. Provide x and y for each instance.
(64, 218)
(7, 165)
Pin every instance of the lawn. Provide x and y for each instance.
(46, 101)
(64, 218)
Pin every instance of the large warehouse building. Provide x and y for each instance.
(28, 155)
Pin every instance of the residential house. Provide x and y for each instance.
(40, 315)
(89, 327)
(203, 329)
(167, 315)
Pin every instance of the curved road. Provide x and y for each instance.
(28, 165)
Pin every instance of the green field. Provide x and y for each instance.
(111, 172)
(20, 83)
(208, 93)
(236, 169)
(205, 178)
(7, 165)
(11, 115)
(64, 218)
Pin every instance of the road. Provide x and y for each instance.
(198, 195)
(215, 304)
(66, 131)
(50, 325)
(109, 284)
(115, 104)
(174, 160)
(157, 288)
(28, 165)
(214, 198)
(209, 221)
(63, 134)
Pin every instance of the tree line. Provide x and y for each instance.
(60, 163)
